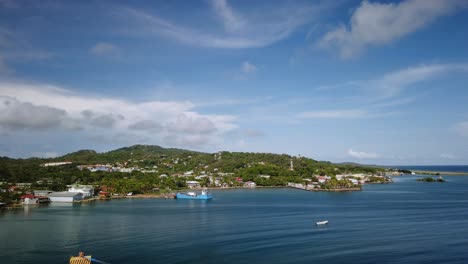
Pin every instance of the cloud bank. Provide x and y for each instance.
(39, 108)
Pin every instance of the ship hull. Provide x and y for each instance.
(194, 197)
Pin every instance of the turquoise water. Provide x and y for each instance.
(403, 222)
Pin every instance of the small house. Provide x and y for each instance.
(193, 184)
(354, 181)
(28, 199)
(250, 184)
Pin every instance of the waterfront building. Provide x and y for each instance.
(354, 181)
(250, 184)
(86, 190)
(42, 192)
(65, 197)
(28, 199)
(54, 164)
(193, 184)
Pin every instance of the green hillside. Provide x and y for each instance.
(150, 162)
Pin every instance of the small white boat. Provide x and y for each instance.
(322, 222)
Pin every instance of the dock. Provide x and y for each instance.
(313, 188)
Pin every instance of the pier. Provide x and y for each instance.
(313, 188)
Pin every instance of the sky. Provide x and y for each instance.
(373, 82)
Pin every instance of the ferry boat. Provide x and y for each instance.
(204, 195)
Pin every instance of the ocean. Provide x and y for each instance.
(443, 168)
(403, 222)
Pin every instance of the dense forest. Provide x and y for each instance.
(159, 162)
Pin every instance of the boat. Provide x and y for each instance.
(204, 195)
(322, 222)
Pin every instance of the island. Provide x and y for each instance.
(430, 179)
(148, 171)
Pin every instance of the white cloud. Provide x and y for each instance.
(43, 107)
(248, 68)
(362, 155)
(381, 23)
(105, 49)
(447, 156)
(16, 115)
(257, 30)
(148, 125)
(232, 22)
(191, 124)
(351, 113)
(393, 83)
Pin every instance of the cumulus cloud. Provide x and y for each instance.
(191, 125)
(146, 125)
(241, 31)
(44, 107)
(101, 119)
(381, 23)
(105, 49)
(248, 68)
(16, 115)
(362, 155)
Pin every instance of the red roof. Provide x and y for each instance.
(30, 196)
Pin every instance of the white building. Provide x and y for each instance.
(250, 184)
(53, 164)
(354, 181)
(192, 184)
(86, 190)
(42, 192)
(65, 197)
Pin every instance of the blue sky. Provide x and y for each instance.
(376, 82)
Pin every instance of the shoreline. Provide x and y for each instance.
(173, 194)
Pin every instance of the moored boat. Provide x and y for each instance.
(322, 222)
(204, 195)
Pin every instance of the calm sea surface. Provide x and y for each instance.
(403, 222)
(444, 168)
